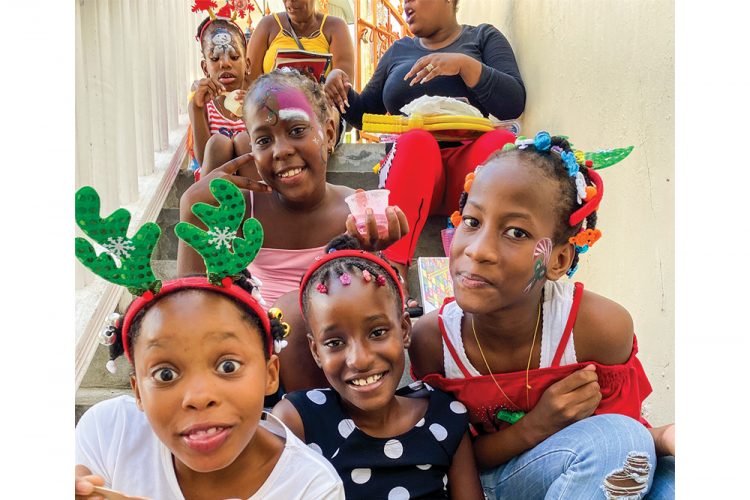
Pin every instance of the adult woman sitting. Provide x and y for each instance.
(300, 24)
(443, 59)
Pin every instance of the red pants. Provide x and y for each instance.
(426, 180)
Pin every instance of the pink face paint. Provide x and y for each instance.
(542, 254)
(293, 105)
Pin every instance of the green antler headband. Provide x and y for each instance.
(127, 261)
(132, 254)
(222, 223)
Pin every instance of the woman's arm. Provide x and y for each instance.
(371, 98)
(341, 45)
(463, 477)
(257, 47)
(499, 87)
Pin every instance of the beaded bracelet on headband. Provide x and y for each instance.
(126, 261)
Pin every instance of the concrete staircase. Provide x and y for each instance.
(351, 165)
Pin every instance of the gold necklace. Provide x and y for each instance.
(528, 364)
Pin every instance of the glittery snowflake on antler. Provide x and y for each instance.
(222, 223)
(125, 261)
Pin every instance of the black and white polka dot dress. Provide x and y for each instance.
(411, 465)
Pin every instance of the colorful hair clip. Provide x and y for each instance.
(380, 280)
(366, 276)
(322, 288)
(345, 279)
(542, 141)
(587, 237)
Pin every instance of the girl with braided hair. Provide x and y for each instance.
(384, 443)
(555, 414)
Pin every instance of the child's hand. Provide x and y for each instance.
(337, 88)
(566, 401)
(663, 439)
(371, 239)
(208, 90)
(200, 192)
(85, 482)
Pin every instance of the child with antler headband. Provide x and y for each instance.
(204, 356)
(505, 346)
(215, 105)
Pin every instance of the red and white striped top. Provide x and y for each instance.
(219, 124)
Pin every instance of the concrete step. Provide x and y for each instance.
(351, 165)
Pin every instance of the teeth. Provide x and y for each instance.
(367, 381)
(205, 432)
(290, 173)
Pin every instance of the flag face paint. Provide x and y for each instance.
(541, 256)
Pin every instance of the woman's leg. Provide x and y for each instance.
(464, 159)
(603, 456)
(413, 171)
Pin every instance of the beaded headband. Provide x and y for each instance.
(588, 196)
(127, 261)
(360, 254)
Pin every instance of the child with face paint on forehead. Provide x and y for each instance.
(533, 358)
(384, 443)
(292, 136)
(219, 134)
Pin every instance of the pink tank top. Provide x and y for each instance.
(280, 270)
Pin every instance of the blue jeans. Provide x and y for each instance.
(574, 462)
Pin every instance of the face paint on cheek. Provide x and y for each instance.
(542, 253)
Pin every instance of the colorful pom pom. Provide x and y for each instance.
(542, 141)
(590, 192)
(455, 218)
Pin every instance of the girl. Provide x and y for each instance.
(292, 137)
(217, 132)
(384, 443)
(203, 354)
(528, 214)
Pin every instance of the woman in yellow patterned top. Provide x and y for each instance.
(315, 31)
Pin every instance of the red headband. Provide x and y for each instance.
(591, 204)
(197, 283)
(340, 254)
(203, 29)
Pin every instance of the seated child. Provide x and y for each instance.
(506, 348)
(214, 127)
(384, 443)
(203, 353)
(292, 137)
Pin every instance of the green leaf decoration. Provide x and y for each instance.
(134, 254)
(607, 158)
(222, 222)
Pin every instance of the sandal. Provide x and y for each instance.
(414, 311)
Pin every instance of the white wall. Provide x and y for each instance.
(602, 72)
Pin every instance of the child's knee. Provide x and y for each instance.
(219, 143)
(241, 144)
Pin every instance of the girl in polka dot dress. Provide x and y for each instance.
(384, 443)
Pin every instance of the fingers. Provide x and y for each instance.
(84, 486)
(421, 69)
(337, 90)
(234, 164)
(576, 379)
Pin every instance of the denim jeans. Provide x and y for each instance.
(574, 462)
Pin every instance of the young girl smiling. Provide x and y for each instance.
(384, 443)
(527, 215)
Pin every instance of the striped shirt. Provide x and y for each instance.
(219, 124)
